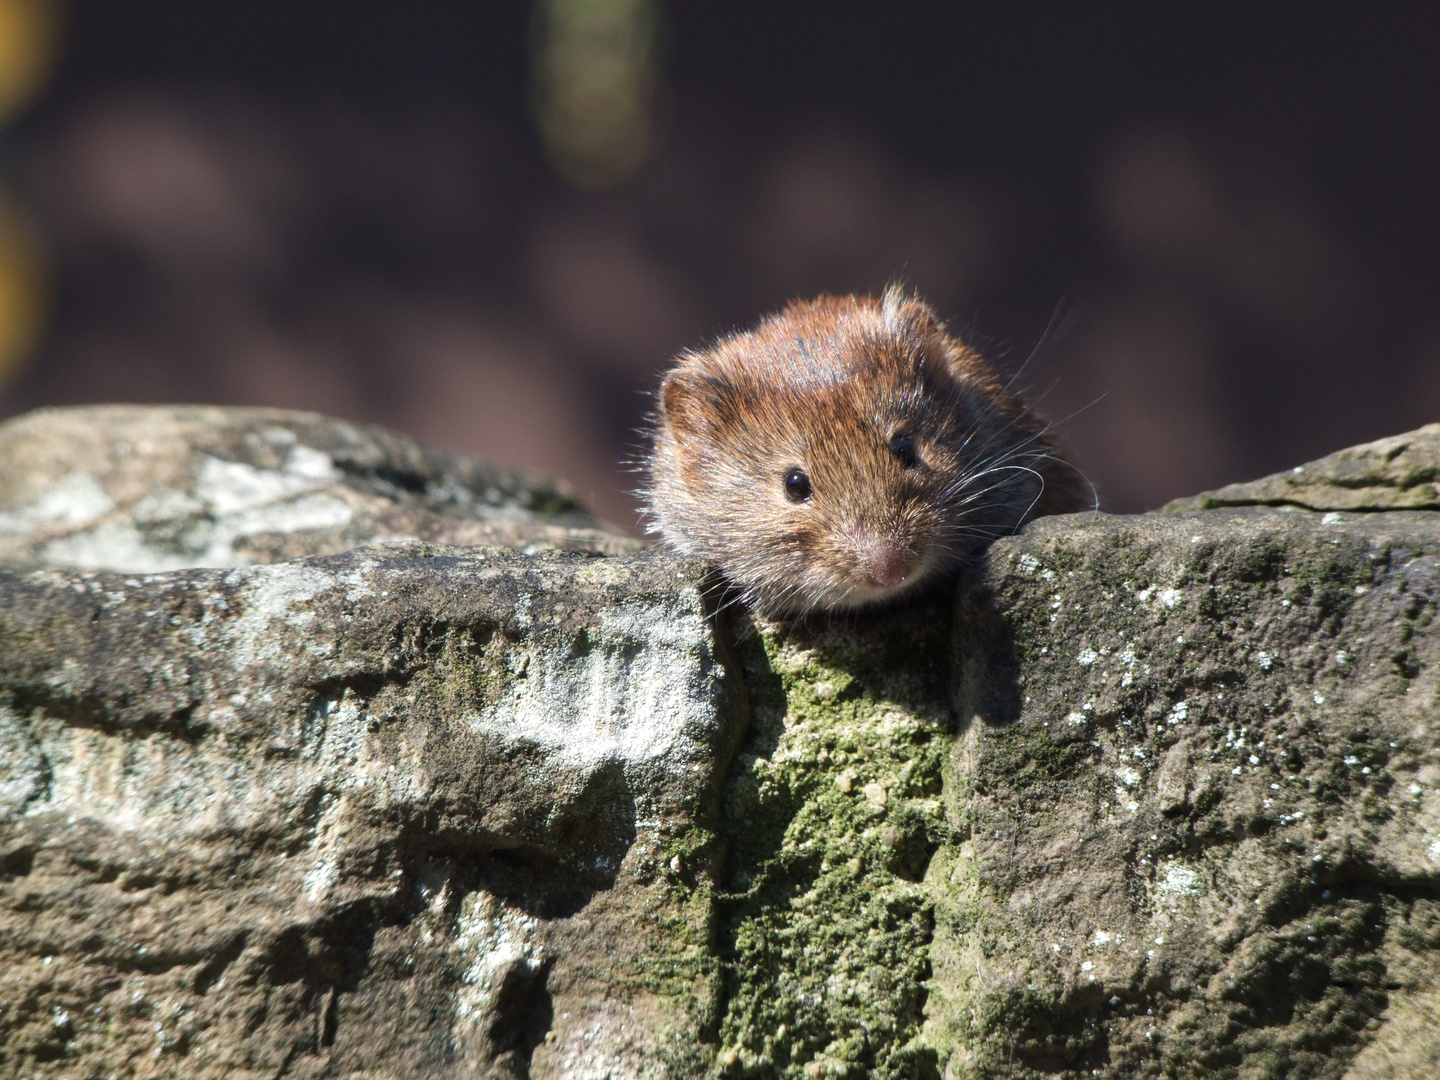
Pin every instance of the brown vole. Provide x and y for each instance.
(845, 452)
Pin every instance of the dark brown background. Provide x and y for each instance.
(343, 206)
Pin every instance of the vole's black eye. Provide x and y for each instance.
(903, 447)
(797, 485)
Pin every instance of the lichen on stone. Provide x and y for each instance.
(1177, 775)
(831, 814)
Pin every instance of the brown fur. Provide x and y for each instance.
(825, 386)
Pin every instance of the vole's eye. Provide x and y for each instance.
(903, 447)
(797, 485)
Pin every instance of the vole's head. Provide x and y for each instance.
(840, 455)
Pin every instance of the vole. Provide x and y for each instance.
(846, 452)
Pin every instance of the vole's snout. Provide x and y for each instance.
(883, 560)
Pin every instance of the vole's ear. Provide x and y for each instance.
(913, 325)
(907, 316)
(688, 402)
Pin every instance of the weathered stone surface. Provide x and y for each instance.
(1199, 777)
(1401, 472)
(1156, 796)
(400, 812)
(141, 488)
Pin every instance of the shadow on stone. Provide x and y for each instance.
(987, 673)
(523, 1014)
(329, 957)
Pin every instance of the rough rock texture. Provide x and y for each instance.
(148, 488)
(392, 813)
(1151, 796)
(1197, 777)
(1398, 473)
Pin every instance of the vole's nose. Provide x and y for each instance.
(885, 562)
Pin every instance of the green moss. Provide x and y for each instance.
(832, 813)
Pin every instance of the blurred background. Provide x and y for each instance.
(490, 224)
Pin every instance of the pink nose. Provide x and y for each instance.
(884, 561)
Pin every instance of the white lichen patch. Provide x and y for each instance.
(22, 767)
(497, 943)
(168, 529)
(165, 504)
(116, 546)
(229, 487)
(318, 879)
(154, 786)
(306, 461)
(271, 595)
(641, 694)
(76, 499)
(334, 733)
(1177, 881)
(313, 510)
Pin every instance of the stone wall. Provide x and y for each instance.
(297, 780)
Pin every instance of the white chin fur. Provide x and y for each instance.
(866, 595)
(841, 598)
